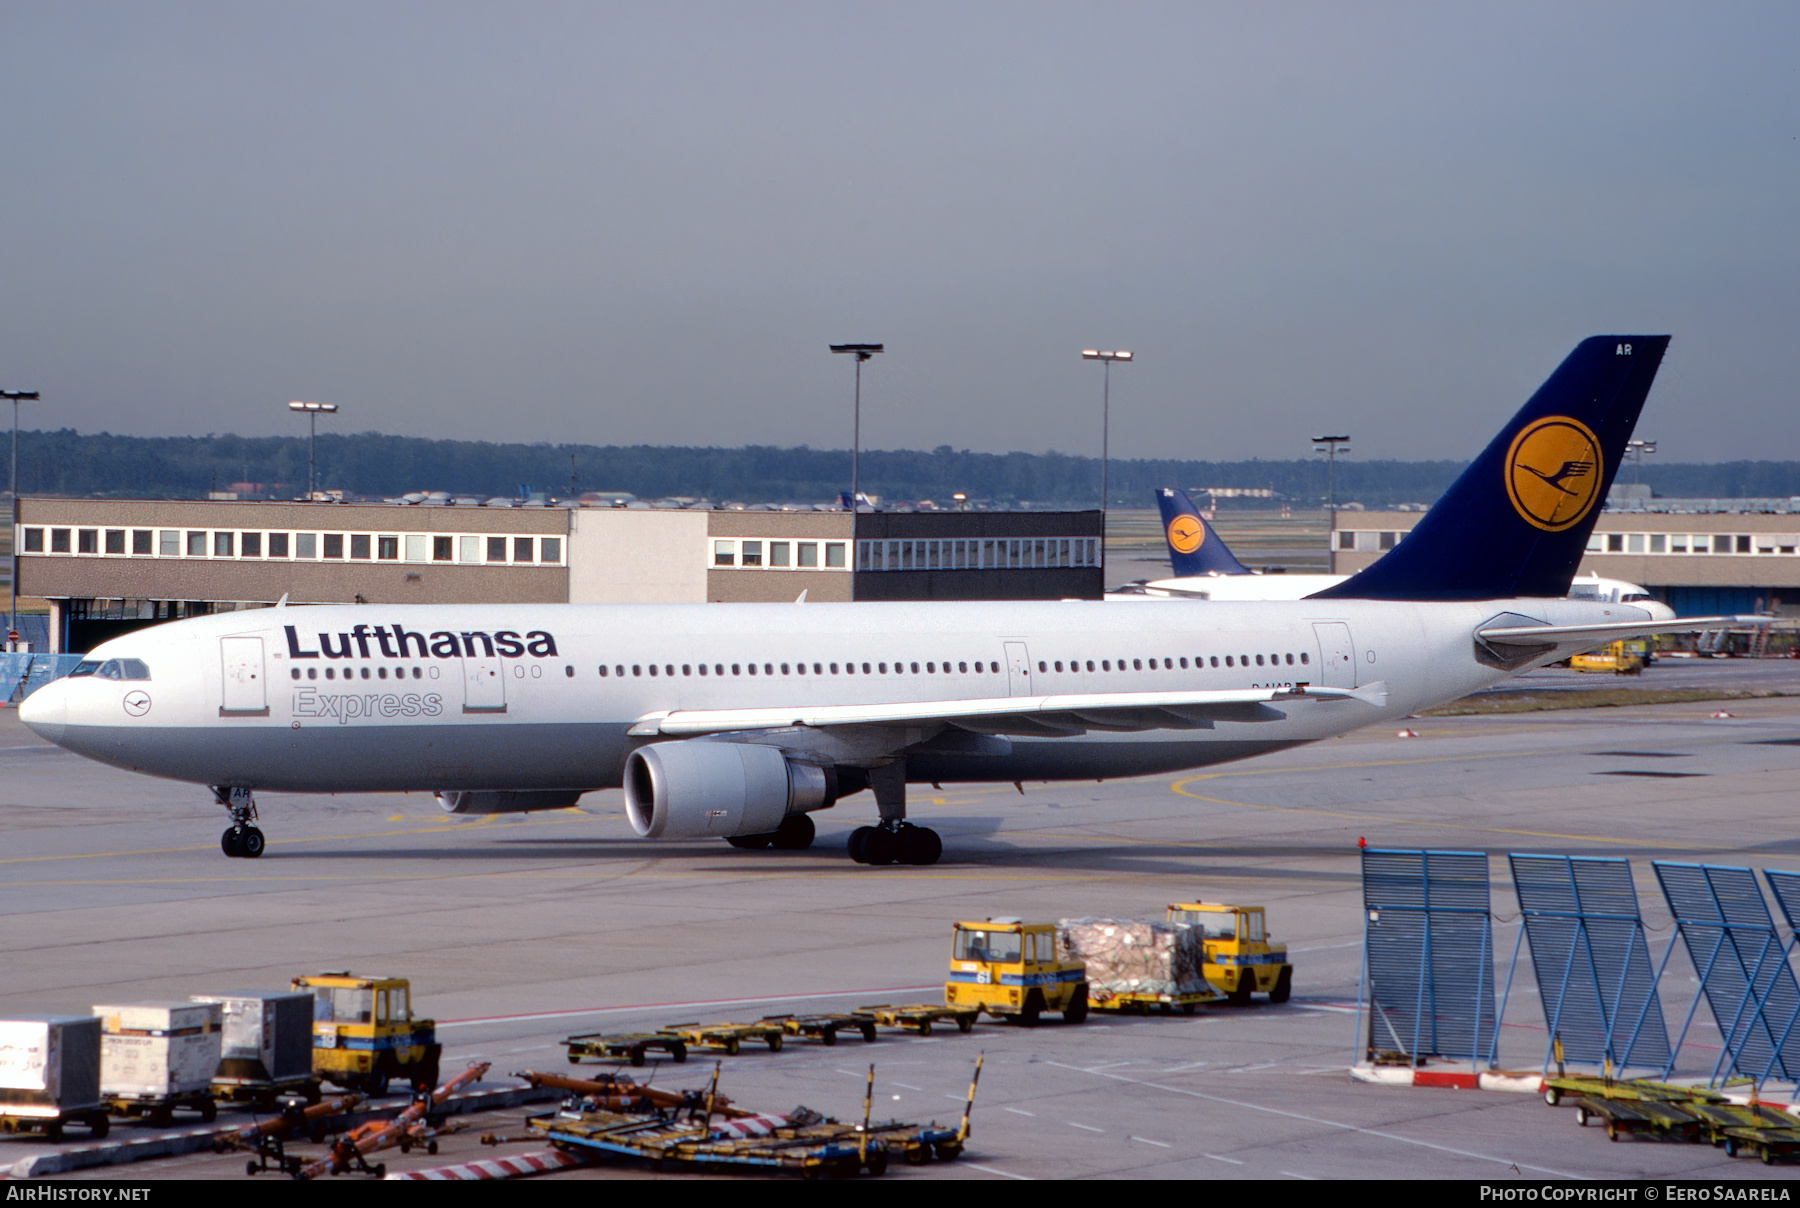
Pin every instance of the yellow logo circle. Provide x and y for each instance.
(1553, 473)
(1185, 534)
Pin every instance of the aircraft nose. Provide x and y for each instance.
(46, 712)
(1660, 611)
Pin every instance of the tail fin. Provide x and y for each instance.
(1194, 549)
(1517, 522)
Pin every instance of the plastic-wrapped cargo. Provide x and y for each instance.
(49, 1065)
(266, 1036)
(152, 1050)
(1126, 956)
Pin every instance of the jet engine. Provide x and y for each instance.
(520, 801)
(699, 789)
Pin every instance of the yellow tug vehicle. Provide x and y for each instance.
(1240, 960)
(1009, 968)
(364, 1033)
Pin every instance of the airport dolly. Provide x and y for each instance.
(726, 1037)
(1657, 1117)
(823, 1028)
(1768, 1132)
(160, 1109)
(692, 1144)
(97, 1119)
(632, 1046)
(918, 1017)
(1144, 1004)
(1629, 1090)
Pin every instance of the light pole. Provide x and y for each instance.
(1094, 354)
(12, 584)
(312, 448)
(861, 352)
(1331, 446)
(1635, 449)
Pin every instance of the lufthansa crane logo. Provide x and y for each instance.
(1553, 473)
(1185, 534)
(137, 703)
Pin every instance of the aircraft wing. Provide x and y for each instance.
(1019, 714)
(1586, 636)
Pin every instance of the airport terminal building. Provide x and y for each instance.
(108, 566)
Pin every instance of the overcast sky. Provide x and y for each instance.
(644, 223)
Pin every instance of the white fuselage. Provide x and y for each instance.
(342, 698)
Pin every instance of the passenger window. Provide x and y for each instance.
(1304, 658)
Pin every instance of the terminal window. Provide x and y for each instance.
(34, 540)
(306, 545)
(522, 549)
(87, 541)
(168, 543)
(752, 553)
(834, 554)
(334, 545)
(359, 545)
(778, 553)
(115, 541)
(470, 550)
(196, 545)
(441, 549)
(724, 553)
(223, 544)
(550, 549)
(278, 545)
(415, 547)
(59, 541)
(496, 549)
(140, 541)
(387, 548)
(806, 553)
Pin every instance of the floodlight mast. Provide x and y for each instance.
(12, 584)
(1108, 356)
(312, 446)
(1331, 446)
(861, 352)
(1635, 450)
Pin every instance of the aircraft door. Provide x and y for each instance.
(244, 692)
(1018, 669)
(484, 684)
(1337, 655)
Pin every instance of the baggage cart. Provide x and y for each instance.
(725, 1037)
(919, 1017)
(157, 1057)
(823, 1028)
(265, 1047)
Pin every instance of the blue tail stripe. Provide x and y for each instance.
(1194, 548)
(1517, 522)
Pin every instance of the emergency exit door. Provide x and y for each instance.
(1018, 669)
(1337, 655)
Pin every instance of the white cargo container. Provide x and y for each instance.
(50, 1073)
(155, 1051)
(267, 1040)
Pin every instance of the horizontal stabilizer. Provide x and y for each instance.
(1590, 635)
(1076, 711)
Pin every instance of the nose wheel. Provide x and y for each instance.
(241, 839)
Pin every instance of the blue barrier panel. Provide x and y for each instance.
(1428, 954)
(24, 674)
(1742, 963)
(1592, 959)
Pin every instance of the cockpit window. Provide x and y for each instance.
(84, 667)
(111, 670)
(135, 669)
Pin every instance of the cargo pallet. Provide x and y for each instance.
(918, 1017)
(823, 1028)
(632, 1046)
(725, 1037)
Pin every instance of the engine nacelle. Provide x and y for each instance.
(698, 789)
(520, 801)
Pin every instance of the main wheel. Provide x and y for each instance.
(920, 845)
(1077, 1009)
(231, 843)
(796, 833)
(1284, 985)
(750, 842)
(882, 847)
(857, 843)
(252, 843)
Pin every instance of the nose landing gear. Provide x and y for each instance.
(241, 839)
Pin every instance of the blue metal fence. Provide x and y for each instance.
(1428, 954)
(23, 674)
(1742, 963)
(1592, 960)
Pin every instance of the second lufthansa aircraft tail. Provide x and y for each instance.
(1517, 521)
(1194, 549)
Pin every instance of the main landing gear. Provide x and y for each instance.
(795, 833)
(895, 841)
(241, 839)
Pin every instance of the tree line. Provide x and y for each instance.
(372, 464)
